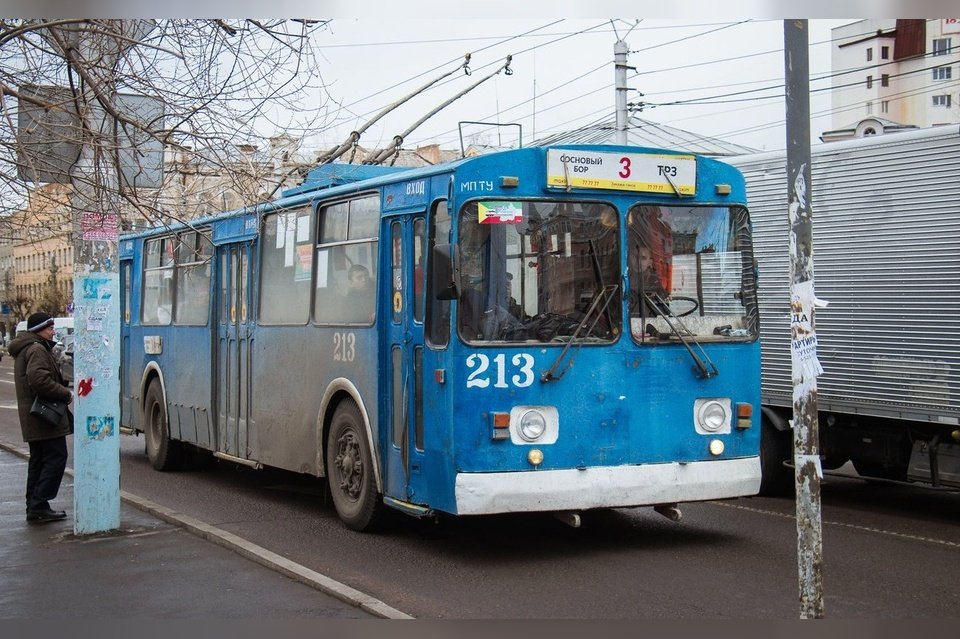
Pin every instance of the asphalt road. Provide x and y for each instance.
(889, 552)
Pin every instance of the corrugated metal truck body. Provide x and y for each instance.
(886, 250)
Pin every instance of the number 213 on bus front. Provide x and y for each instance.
(520, 371)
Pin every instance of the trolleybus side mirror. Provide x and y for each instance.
(444, 282)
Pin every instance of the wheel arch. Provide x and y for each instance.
(340, 390)
(151, 373)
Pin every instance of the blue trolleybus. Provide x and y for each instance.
(541, 329)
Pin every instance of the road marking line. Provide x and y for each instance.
(941, 542)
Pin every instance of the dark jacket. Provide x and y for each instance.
(36, 373)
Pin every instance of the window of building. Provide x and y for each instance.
(869, 54)
(941, 46)
(869, 81)
(885, 53)
(885, 106)
(869, 108)
(942, 73)
(885, 80)
(941, 100)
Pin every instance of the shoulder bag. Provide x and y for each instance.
(49, 410)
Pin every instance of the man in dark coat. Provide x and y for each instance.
(36, 374)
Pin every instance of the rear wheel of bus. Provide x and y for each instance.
(163, 453)
(776, 447)
(350, 473)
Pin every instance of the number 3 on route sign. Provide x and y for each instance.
(652, 172)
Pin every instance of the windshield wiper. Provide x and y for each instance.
(704, 364)
(604, 294)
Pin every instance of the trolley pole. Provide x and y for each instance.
(804, 363)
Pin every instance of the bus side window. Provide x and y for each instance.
(438, 311)
(286, 267)
(157, 301)
(346, 281)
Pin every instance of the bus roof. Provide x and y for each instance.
(341, 179)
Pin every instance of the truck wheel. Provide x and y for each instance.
(350, 474)
(163, 453)
(775, 448)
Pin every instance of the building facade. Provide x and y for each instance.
(899, 72)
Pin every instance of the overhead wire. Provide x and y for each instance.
(716, 98)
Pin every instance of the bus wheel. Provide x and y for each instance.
(160, 450)
(775, 448)
(350, 470)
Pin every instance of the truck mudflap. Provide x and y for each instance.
(936, 463)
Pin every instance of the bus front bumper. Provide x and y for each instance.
(606, 487)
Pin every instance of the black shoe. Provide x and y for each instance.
(45, 515)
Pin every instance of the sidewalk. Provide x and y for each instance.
(151, 567)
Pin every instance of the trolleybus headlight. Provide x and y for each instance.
(532, 425)
(712, 416)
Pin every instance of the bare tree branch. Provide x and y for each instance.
(226, 88)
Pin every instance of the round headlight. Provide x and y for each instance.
(712, 416)
(532, 425)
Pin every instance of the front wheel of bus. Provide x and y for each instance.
(350, 471)
(160, 450)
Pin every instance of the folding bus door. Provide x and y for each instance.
(234, 336)
(403, 445)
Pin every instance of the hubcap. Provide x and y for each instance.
(349, 464)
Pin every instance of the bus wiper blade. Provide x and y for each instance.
(604, 294)
(705, 365)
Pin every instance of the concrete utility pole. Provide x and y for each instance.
(96, 279)
(804, 363)
(620, 51)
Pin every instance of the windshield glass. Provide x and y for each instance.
(695, 264)
(531, 271)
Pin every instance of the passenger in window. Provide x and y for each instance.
(512, 305)
(482, 317)
(359, 297)
(645, 284)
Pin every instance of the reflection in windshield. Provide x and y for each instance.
(694, 263)
(529, 271)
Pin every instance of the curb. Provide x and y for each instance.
(249, 550)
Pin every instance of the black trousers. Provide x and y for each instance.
(48, 460)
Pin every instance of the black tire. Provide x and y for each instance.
(775, 448)
(350, 475)
(163, 453)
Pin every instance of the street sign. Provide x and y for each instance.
(49, 139)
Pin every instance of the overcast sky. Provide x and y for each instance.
(563, 76)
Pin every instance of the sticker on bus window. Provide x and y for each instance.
(500, 212)
(304, 264)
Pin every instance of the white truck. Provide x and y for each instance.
(886, 251)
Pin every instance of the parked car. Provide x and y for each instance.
(63, 351)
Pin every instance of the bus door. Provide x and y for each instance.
(232, 372)
(402, 440)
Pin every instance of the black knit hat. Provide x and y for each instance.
(38, 321)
